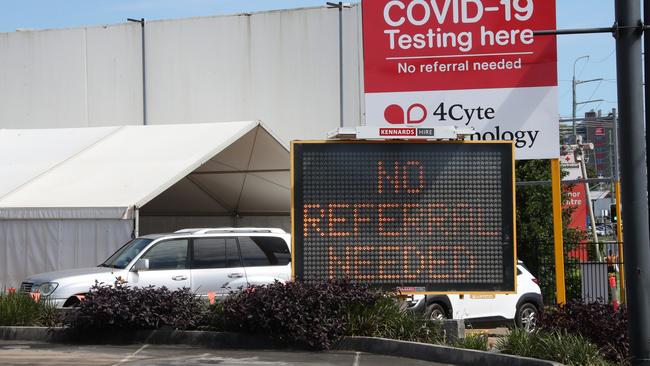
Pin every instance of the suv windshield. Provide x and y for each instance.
(125, 254)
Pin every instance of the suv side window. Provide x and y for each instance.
(169, 254)
(263, 251)
(215, 253)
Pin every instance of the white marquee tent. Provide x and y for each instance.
(70, 197)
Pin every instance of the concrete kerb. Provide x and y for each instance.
(435, 353)
(388, 347)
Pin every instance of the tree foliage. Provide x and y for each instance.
(535, 241)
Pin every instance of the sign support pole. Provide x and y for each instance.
(557, 232)
(634, 186)
(619, 237)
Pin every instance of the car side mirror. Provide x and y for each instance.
(141, 264)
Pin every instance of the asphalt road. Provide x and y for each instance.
(38, 353)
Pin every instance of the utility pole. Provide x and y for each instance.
(580, 151)
(581, 158)
(574, 104)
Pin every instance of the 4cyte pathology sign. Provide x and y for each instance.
(465, 63)
(419, 217)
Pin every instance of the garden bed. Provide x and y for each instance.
(299, 316)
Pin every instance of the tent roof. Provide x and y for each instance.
(597, 195)
(210, 168)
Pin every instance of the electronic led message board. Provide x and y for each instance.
(413, 216)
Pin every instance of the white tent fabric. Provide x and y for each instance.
(25, 154)
(73, 196)
(128, 167)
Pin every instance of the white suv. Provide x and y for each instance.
(523, 307)
(216, 260)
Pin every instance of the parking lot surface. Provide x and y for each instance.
(38, 353)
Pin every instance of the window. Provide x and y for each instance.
(125, 255)
(170, 254)
(264, 251)
(215, 253)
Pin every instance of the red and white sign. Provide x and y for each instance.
(575, 199)
(576, 202)
(469, 63)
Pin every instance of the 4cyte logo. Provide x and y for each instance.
(395, 114)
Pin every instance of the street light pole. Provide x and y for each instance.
(340, 6)
(144, 69)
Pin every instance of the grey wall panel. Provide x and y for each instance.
(195, 70)
(280, 67)
(114, 69)
(43, 79)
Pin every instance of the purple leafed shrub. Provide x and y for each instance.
(303, 315)
(600, 323)
(122, 307)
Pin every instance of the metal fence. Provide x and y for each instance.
(593, 271)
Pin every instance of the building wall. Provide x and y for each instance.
(280, 67)
(600, 132)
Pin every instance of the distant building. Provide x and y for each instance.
(599, 130)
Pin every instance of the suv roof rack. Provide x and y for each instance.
(199, 231)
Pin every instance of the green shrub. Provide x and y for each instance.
(598, 322)
(112, 307)
(19, 309)
(385, 319)
(518, 342)
(214, 318)
(569, 349)
(477, 342)
(300, 314)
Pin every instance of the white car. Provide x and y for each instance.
(204, 260)
(523, 307)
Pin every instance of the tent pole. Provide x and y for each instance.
(136, 222)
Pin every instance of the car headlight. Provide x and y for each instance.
(47, 288)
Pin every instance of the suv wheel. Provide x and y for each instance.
(72, 302)
(436, 311)
(527, 316)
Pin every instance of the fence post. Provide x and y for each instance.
(557, 232)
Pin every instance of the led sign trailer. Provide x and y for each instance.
(415, 216)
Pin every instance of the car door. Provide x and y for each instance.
(508, 303)
(216, 266)
(168, 266)
(478, 306)
(493, 306)
(265, 259)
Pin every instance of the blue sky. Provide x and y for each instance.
(41, 14)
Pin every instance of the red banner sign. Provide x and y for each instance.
(418, 45)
